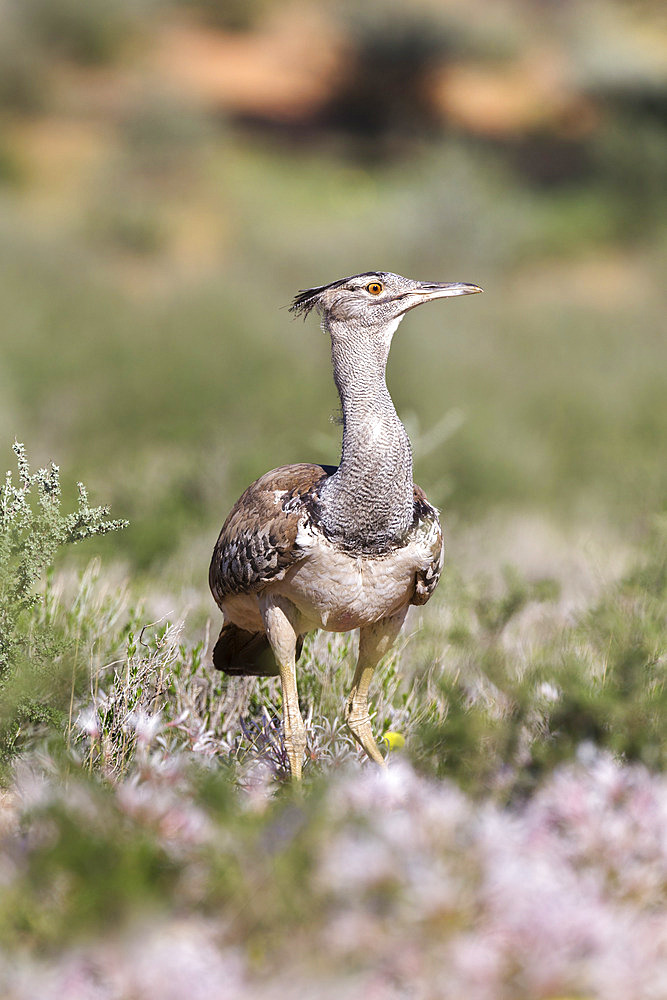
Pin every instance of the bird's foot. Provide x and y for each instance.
(360, 727)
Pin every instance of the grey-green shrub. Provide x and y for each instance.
(33, 528)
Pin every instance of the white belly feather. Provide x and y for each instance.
(337, 590)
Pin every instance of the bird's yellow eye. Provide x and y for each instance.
(374, 288)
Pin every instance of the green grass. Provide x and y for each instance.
(495, 684)
(534, 752)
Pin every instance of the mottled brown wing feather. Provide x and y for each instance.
(258, 540)
(427, 580)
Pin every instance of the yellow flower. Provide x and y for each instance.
(394, 740)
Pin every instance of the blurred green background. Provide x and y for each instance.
(171, 174)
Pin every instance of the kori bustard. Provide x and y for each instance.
(338, 548)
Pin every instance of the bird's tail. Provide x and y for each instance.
(246, 654)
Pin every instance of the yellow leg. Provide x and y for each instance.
(374, 642)
(278, 615)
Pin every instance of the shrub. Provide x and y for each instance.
(33, 528)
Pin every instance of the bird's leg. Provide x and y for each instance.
(374, 641)
(279, 616)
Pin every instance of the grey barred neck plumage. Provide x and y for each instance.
(310, 546)
(368, 503)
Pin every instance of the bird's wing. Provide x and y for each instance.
(257, 543)
(427, 521)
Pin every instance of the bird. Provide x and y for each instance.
(339, 548)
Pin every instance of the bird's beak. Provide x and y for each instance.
(428, 290)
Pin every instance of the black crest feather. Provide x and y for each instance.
(306, 298)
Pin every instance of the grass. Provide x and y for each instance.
(521, 824)
(152, 839)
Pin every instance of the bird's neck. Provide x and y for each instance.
(368, 502)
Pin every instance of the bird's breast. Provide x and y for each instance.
(339, 590)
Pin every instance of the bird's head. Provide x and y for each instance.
(375, 299)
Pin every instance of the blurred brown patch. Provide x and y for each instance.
(280, 73)
(512, 98)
